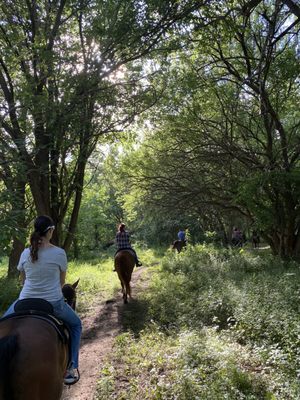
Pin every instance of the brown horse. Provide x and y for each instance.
(33, 357)
(69, 292)
(124, 265)
(179, 245)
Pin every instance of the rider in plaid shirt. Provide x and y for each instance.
(123, 242)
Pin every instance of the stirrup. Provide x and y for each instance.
(71, 379)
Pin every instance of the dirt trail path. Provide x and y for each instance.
(100, 327)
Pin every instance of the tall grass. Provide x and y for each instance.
(97, 282)
(220, 325)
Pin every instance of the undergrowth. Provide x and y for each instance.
(220, 324)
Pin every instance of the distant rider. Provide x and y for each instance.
(122, 241)
(181, 235)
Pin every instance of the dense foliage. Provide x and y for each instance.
(206, 93)
(70, 75)
(225, 138)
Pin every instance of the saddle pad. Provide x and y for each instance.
(61, 328)
(128, 251)
(34, 304)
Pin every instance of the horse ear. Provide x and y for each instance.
(75, 284)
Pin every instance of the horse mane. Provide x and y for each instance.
(8, 348)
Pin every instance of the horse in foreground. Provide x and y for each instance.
(124, 265)
(179, 245)
(34, 351)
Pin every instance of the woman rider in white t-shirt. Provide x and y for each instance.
(43, 268)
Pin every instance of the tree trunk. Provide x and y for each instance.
(77, 202)
(285, 244)
(75, 248)
(14, 257)
(17, 185)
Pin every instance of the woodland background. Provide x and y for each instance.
(161, 114)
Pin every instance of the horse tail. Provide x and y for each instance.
(124, 264)
(8, 349)
(127, 284)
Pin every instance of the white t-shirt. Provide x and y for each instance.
(43, 276)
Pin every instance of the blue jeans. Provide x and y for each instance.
(63, 311)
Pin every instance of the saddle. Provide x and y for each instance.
(128, 249)
(40, 309)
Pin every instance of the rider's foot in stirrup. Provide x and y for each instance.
(72, 376)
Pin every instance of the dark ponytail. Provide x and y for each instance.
(35, 241)
(41, 226)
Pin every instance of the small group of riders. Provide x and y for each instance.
(238, 238)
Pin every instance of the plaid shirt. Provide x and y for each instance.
(123, 240)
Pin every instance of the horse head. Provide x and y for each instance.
(69, 292)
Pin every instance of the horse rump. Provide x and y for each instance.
(33, 359)
(124, 265)
(179, 245)
(8, 349)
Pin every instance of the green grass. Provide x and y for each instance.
(97, 283)
(216, 324)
